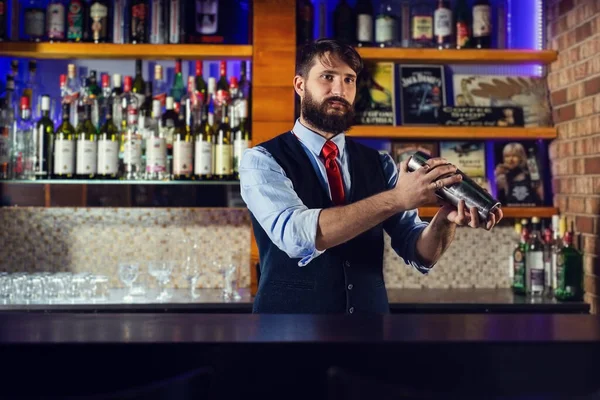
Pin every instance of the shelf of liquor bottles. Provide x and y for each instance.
(463, 56)
(451, 132)
(509, 212)
(125, 51)
(118, 182)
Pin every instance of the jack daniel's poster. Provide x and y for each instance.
(518, 173)
(422, 93)
(375, 99)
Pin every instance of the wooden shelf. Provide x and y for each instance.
(435, 56)
(449, 132)
(509, 212)
(124, 51)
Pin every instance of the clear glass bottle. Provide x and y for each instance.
(156, 147)
(23, 149)
(7, 130)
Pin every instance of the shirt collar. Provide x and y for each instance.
(315, 142)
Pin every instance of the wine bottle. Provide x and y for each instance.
(463, 25)
(87, 147)
(482, 24)
(178, 89)
(99, 21)
(204, 142)
(535, 261)
(223, 147)
(139, 85)
(139, 21)
(43, 139)
(520, 260)
(364, 22)
(344, 23)
(421, 21)
(442, 23)
(183, 145)
(222, 95)
(64, 147)
(569, 286)
(34, 20)
(56, 21)
(386, 25)
(108, 148)
(241, 136)
(76, 26)
(201, 87)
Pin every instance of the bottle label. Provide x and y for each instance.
(99, 14)
(519, 269)
(182, 158)
(64, 152)
(75, 21)
(462, 34)
(156, 154)
(156, 22)
(554, 270)
(482, 25)
(35, 22)
(560, 271)
(204, 158)
(174, 18)
(222, 97)
(56, 21)
(385, 29)
(138, 22)
(535, 265)
(87, 157)
(132, 151)
(443, 22)
(39, 151)
(365, 28)
(4, 145)
(132, 116)
(223, 159)
(108, 157)
(422, 27)
(239, 146)
(167, 132)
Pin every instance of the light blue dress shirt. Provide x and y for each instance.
(290, 225)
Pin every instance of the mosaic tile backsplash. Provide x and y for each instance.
(96, 239)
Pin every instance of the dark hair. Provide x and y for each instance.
(318, 48)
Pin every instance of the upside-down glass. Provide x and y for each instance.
(161, 270)
(190, 264)
(128, 273)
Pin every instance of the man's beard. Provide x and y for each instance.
(316, 114)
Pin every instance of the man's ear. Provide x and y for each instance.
(299, 85)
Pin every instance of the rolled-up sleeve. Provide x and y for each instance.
(405, 227)
(270, 197)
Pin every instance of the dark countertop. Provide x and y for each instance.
(401, 301)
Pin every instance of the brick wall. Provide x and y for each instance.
(574, 80)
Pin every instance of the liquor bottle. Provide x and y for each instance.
(159, 85)
(548, 246)
(364, 22)
(64, 147)
(223, 151)
(33, 90)
(463, 25)
(519, 259)
(157, 22)
(34, 20)
(569, 271)
(86, 146)
(501, 25)
(76, 23)
(43, 138)
(241, 136)
(201, 87)
(3, 20)
(442, 24)
(57, 21)
(386, 25)
(183, 146)
(94, 94)
(535, 261)
(305, 21)
(115, 101)
(178, 89)
(421, 21)
(344, 23)
(175, 23)
(204, 141)
(99, 12)
(23, 152)
(139, 85)
(222, 94)
(156, 147)
(131, 140)
(139, 21)
(108, 148)
(482, 24)
(559, 227)
(167, 126)
(72, 94)
(7, 130)
(120, 25)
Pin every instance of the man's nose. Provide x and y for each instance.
(337, 88)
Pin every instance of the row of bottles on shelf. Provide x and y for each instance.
(139, 131)
(416, 23)
(545, 261)
(114, 21)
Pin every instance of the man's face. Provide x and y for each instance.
(329, 93)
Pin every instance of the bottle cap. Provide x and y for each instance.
(105, 81)
(45, 103)
(71, 70)
(116, 80)
(198, 67)
(535, 220)
(158, 72)
(24, 102)
(170, 103)
(63, 80)
(156, 106)
(128, 84)
(233, 82)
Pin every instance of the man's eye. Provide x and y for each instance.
(328, 77)
(349, 80)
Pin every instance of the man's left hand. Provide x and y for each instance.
(462, 216)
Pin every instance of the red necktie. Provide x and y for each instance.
(334, 176)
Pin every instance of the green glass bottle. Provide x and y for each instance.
(139, 85)
(64, 147)
(223, 148)
(204, 143)
(183, 146)
(569, 265)
(43, 141)
(86, 147)
(241, 136)
(201, 86)
(519, 260)
(108, 149)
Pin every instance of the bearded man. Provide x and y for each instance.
(320, 202)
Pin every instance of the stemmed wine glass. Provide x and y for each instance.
(161, 270)
(128, 272)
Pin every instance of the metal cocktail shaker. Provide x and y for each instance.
(467, 190)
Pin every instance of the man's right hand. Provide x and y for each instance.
(417, 189)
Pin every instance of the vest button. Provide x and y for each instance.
(350, 286)
(351, 310)
(347, 263)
